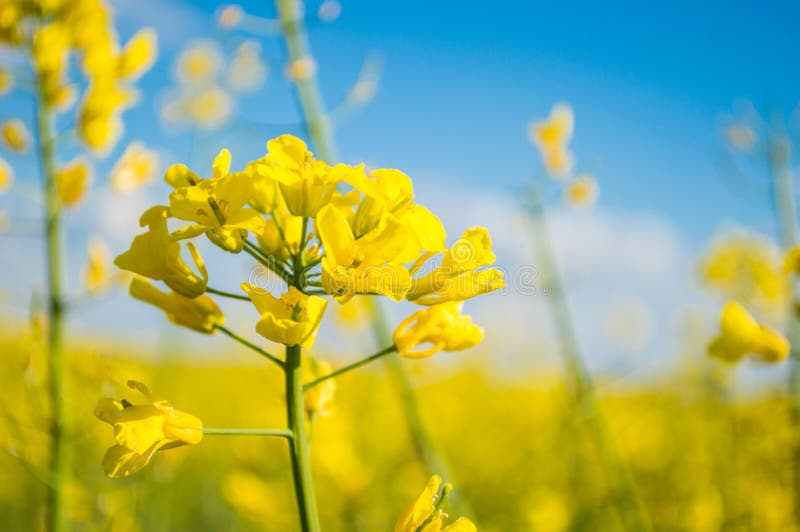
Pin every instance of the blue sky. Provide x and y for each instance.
(649, 84)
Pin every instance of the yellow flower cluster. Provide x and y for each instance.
(741, 335)
(426, 515)
(371, 239)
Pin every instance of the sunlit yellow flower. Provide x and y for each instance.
(365, 265)
(200, 314)
(741, 335)
(247, 71)
(229, 16)
(6, 81)
(307, 184)
(96, 271)
(458, 277)
(301, 69)
(426, 510)
(292, 319)
(319, 399)
(138, 55)
(15, 135)
(141, 430)
(72, 181)
(741, 136)
(582, 192)
(552, 137)
(199, 63)
(156, 255)
(99, 124)
(136, 167)
(6, 176)
(179, 175)
(266, 196)
(282, 242)
(438, 328)
(218, 207)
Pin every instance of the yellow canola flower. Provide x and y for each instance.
(199, 63)
(582, 192)
(136, 167)
(72, 181)
(741, 335)
(552, 137)
(6, 176)
(138, 55)
(281, 241)
(6, 81)
(301, 69)
(247, 71)
(458, 277)
(319, 399)
(307, 184)
(157, 256)
(141, 430)
(440, 327)
(230, 16)
(292, 319)
(200, 314)
(218, 207)
(426, 510)
(15, 135)
(96, 271)
(366, 265)
(99, 123)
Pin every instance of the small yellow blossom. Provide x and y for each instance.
(15, 135)
(292, 319)
(138, 55)
(741, 136)
(6, 81)
(218, 207)
(6, 176)
(366, 265)
(141, 430)
(307, 183)
(301, 69)
(552, 137)
(230, 16)
(319, 399)
(247, 71)
(283, 242)
(136, 167)
(157, 256)
(426, 515)
(582, 192)
(741, 335)
(199, 63)
(96, 272)
(72, 181)
(438, 328)
(200, 314)
(458, 277)
(207, 108)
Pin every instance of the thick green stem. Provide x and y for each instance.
(631, 510)
(59, 451)
(299, 445)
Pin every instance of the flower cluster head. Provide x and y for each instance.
(741, 335)
(141, 430)
(426, 514)
(335, 230)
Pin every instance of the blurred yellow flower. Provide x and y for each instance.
(15, 135)
(157, 256)
(96, 272)
(425, 514)
(582, 192)
(247, 71)
(292, 319)
(552, 137)
(6, 176)
(458, 277)
(740, 136)
(329, 10)
(362, 266)
(318, 399)
(301, 69)
(141, 430)
(741, 335)
(208, 108)
(200, 314)
(72, 181)
(6, 81)
(136, 167)
(230, 16)
(437, 328)
(199, 63)
(138, 55)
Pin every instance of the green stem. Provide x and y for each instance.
(280, 433)
(630, 507)
(354, 365)
(226, 294)
(59, 452)
(256, 253)
(299, 446)
(251, 345)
